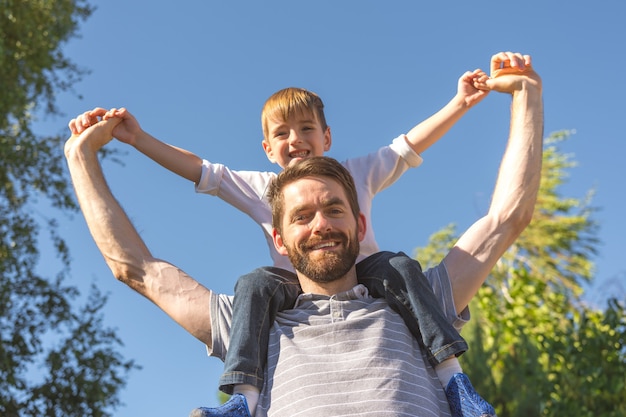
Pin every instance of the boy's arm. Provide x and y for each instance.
(180, 161)
(422, 136)
(481, 246)
(176, 293)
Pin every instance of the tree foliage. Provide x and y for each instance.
(78, 371)
(536, 347)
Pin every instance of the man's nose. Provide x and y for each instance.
(321, 223)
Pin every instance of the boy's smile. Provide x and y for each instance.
(298, 138)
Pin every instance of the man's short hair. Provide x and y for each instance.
(318, 166)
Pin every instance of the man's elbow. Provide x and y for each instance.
(524, 216)
(515, 219)
(519, 219)
(127, 273)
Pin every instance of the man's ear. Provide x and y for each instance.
(267, 148)
(278, 242)
(362, 225)
(328, 140)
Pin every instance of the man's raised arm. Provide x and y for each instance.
(513, 201)
(176, 293)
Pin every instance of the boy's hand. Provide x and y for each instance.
(467, 87)
(128, 130)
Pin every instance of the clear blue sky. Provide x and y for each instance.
(196, 73)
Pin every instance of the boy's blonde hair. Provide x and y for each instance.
(290, 101)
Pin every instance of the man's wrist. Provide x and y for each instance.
(529, 90)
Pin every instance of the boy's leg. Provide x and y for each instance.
(259, 295)
(399, 279)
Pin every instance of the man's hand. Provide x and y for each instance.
(126, 131)
(509, 63)
(510, 72)
(87, 119)
(93, 136)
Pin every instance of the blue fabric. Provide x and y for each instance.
(236, 406)
(259, 295)
(399, 280)
(464, 400)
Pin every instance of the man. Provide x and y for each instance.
(318, 226)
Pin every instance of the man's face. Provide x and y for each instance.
(298, 138)
(319, 232)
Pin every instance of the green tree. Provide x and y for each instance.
(80, 372)
(536, 347)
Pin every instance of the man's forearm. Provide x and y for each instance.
(176, 293)
(520, 171)
(513, 201)
(109, 225)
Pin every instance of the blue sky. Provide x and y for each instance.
(196, 73)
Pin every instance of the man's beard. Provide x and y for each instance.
(331, 265)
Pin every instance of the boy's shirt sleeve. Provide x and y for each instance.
(400, 145)
(244, 190)
(379, 169)
(373, 173)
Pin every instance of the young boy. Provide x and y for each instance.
(295, 128)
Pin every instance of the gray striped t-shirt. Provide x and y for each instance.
(345, 355)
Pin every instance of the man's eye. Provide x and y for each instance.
(336, 211)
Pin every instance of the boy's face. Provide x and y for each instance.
(295, 139)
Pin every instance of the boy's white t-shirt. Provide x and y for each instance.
(246, 190)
